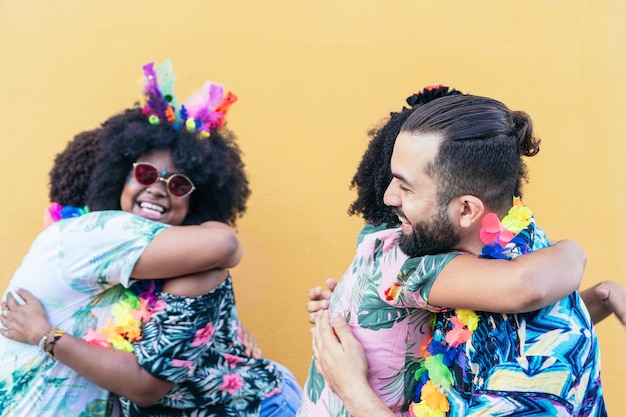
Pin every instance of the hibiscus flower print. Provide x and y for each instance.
(203, 336)
(231, 383)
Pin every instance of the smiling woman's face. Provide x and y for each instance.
(153, 201)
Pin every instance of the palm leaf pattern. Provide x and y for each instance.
(170, 349)
(399, 327)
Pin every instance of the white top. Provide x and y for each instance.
(75, 267)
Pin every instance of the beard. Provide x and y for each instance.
(431, 237)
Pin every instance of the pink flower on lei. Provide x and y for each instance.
(94, 338)
(494, 231)
(52, 214)
(459, 334)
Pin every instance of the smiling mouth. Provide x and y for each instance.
(152, 208)
(406, 225)
(401, 217)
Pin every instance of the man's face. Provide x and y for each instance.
(426, 226)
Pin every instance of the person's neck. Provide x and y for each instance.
(473, 248)
(470, 242)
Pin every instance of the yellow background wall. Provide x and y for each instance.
(312, 78)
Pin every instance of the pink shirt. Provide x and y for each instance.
(392, 329)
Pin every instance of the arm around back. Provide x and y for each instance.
(182, 250)
(525, 283)
(116, 371)
(121, 373)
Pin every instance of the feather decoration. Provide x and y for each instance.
(204, 111)
(155, 103)
(226, 103)
(165, 78)
(208, 106)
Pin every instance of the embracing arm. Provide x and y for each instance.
(182, 250)
(116, 371)
(526, 283)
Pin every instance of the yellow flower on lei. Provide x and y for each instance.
(123, 312)
(125, 326)
(469, 318)
(422, 410)
(433, 398)
(518, 217)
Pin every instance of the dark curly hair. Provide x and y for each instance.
(214, 164)
(374, 172)
(70, 175)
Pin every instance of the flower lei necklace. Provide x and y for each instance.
(503, 240)
(128, 313)
(55, 212)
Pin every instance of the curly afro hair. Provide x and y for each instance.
(214, 164)
(374, 172)
(70, 175)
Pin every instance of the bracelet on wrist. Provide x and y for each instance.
(44, 340)
(53, 339)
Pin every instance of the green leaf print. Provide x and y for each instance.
(113, 295)
(315, 383)
(336, 407)
(83, 321)
(22, 383)
(375, 315)
(409, 380)
(97, 408)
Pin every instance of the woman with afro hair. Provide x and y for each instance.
(185, 357)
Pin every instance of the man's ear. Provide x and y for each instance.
(467, 210)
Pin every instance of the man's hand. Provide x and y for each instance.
(319, 299)
(613, 295)
(604, 299)
(340, 358)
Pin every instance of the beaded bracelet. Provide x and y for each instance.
(44, 340)
(58, 333)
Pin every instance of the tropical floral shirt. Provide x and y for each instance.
(74, 267)
(545, 362)
(392, 335)
(194, 342)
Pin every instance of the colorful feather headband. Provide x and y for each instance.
(202, 112)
